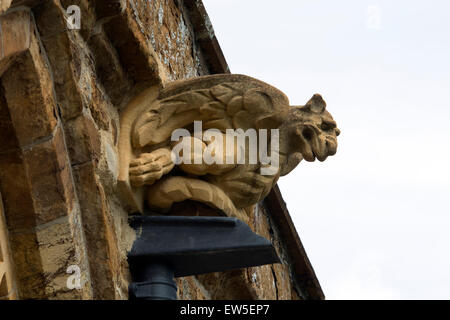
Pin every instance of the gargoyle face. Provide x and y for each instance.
(314, 130)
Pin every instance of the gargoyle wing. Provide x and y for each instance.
(222, 102)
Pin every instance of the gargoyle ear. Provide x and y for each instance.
(316, 104)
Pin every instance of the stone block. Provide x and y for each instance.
(27, 84)
(99, 232)
(27, 263)
(15, 32)
(8, 139)
(136, 57)
(189, 288)
(64, 54)
(83, 140)
(15, 188)
(108, 68)
(51, 184)
(58, 252)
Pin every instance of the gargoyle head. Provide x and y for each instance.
(311, 133)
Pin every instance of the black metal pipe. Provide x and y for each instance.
(155, 281)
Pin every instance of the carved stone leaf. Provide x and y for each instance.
(224, 93)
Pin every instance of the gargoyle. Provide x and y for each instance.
(149, 173)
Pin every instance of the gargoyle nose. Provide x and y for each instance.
(338, 132)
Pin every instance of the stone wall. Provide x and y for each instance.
(61, 93)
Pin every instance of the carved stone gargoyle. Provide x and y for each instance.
(148, 169)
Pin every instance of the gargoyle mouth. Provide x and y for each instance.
(331, 146)
(314, 145)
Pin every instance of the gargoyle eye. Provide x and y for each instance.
(326, 126)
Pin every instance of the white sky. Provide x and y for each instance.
(374, 219)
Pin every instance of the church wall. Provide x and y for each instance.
(61, 94)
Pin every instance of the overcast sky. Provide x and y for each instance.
(375, 218)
